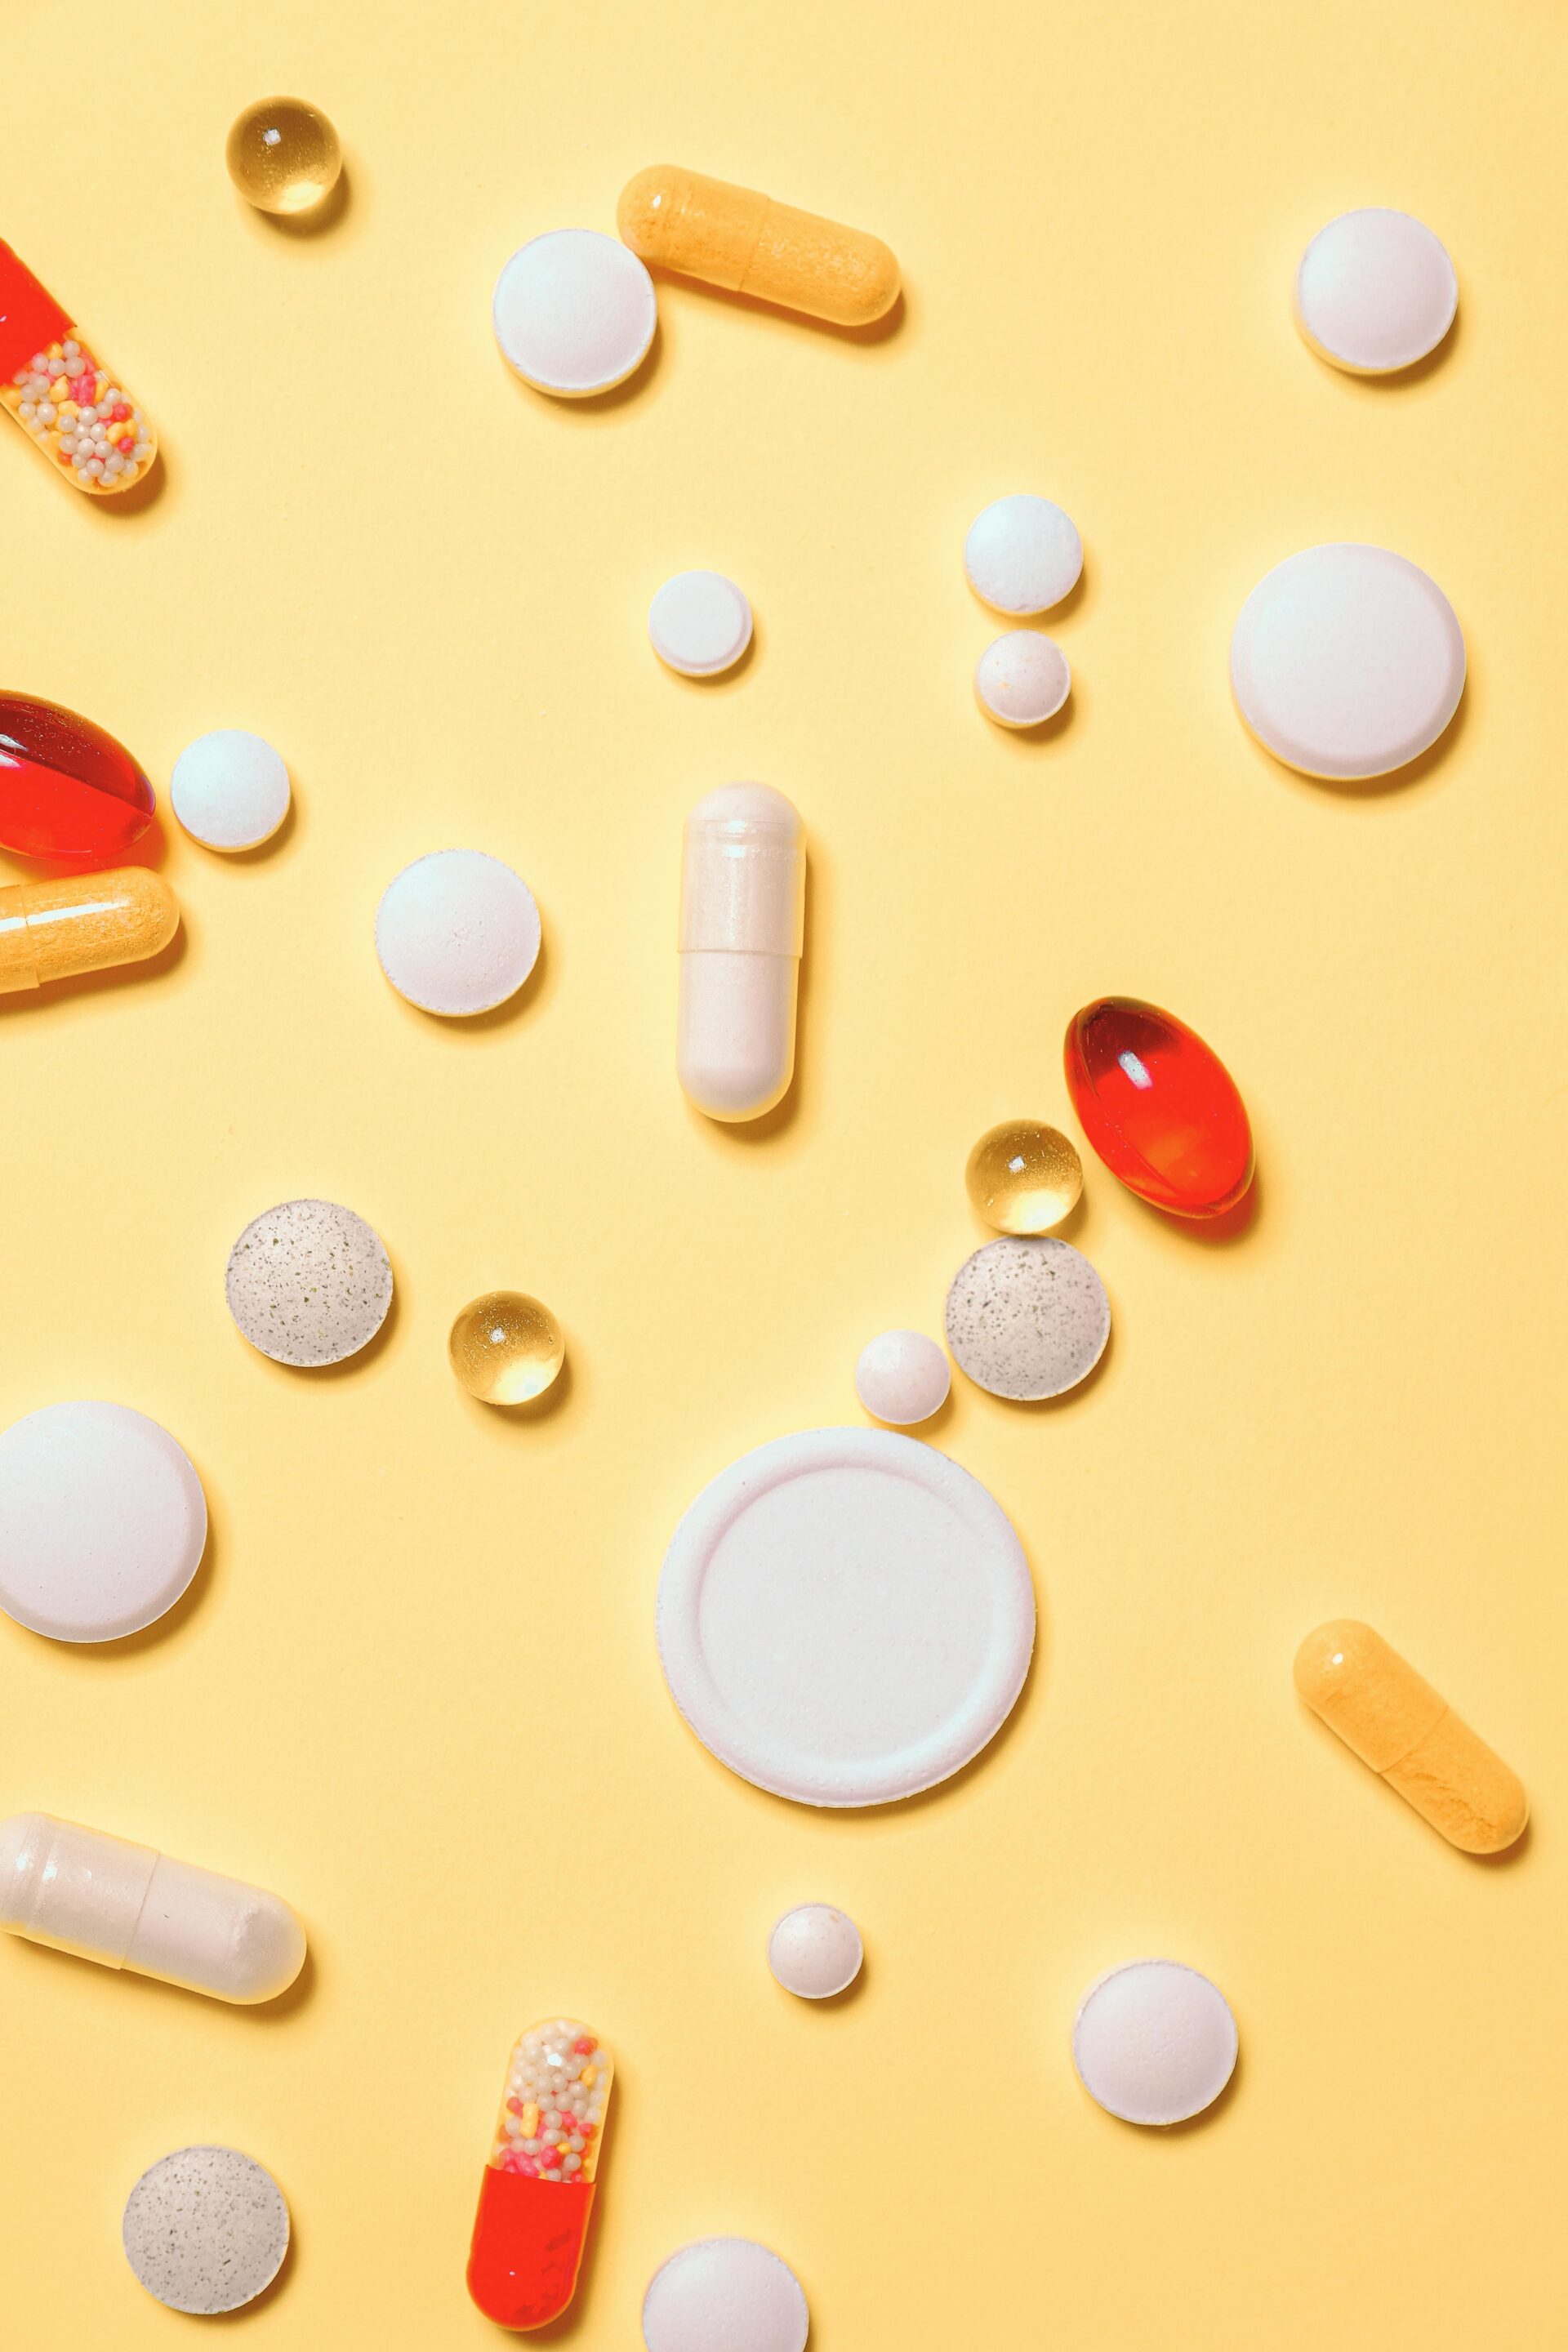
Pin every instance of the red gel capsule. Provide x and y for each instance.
(1159, 1106)
(67, 789)
(538, 2187)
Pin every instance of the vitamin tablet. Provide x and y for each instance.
(505, 1348)
(735, 238)
(901, 1377)
(283, 155)
(537, 2190)
(102, 1521)
(1023, 554)
(1153, 2041)
(83, 922)
(66, 788)
(1023, 1177)
(816, 1951)
(699, 624)
(229, 789)
(1375, 291)
(575, 312)
(308, 1283)
(1022, 678)
(1028, 1319)
(1347, 661)
(205, 2230)
(725, 2294)
(1159, 1106)
(458, 932)
(72, 408)
(742, 927)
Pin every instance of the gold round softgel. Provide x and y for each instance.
(283, 155)
(505, 1348)
(1023, 1177)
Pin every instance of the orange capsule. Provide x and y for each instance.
(743, 241)
(538, 2188)
(61, 395)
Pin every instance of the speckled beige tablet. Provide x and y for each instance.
(1027, 1318)
(308, 1283)
(205, 2230)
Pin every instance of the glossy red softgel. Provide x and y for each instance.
(67, 789)
(1159, 1106)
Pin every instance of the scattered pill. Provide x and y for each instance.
(505, 1348)
(1023, 554)
(1023, 1177)
(1159, 1106)
(1022, 678)
(229, 789)
(901, 1377)
(83, 922)
(308, 1283)
(66, 788)
(743, 242)
(742, 927)
(1028, 1319)
(1347, 661)
(537, 2190)
(1155, 2041)
(699, 624)
(816, 1951)
(458, 932)
(1375, 291)
(102, 1521)
(72, 408)
(205, 2230)
(725, 2294)
(1394, 1721)
(575, 312)
(283, 155)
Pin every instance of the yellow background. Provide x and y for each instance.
(414, 1687)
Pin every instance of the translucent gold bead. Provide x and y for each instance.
(1023, 1177)
(284, 156)
(506, 1349)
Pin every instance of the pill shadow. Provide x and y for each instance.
(349, 1365)
(1215, 1232)
(259, 2305)
(1066, 609)
(1050, 731)
(595, 404)
(1189, 2124)
(539, 984)
(262, 852)
(1456, 1854)
(850, 1993)
(1414, 773)
(576, 2320)
(136, 501)
(131, 1986)
(150, 850)
(319, 221)
(720, 678)
(880, 330)
(1046, 1406)
(520, 1419)
(746, 1133)
(1395, 380)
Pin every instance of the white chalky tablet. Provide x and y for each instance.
(458, 932)
(230, 788)
(1153, 2041)
(1375, 291)
(816, 1951)
(725, 2294)
(845, 1616)
(1023, 554)
(205, 2230)
(901, 1377)
(102, 1521)
(1027, 1318)
(699, 624)
(1022, 678)
(1347, 661)
(575, 312)
(308, 1283)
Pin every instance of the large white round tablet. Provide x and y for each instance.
(1375, 291)
(102, 1521)
(458, 932)
(699, 624)
(230, 788)
(725, 2294)
(845, 1616)
(575, 312)
(1022, 679)
(1023, 554)
(1153, 2041)
(205, 2230)
(1347, 661)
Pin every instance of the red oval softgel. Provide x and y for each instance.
(1159, 1106)
(67, 789)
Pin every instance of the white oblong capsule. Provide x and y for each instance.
(742, 927)
(104, 1899)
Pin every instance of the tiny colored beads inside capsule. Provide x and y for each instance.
(505, 1348)
(538, 2186)
(1159, 1106)
(72, 408)
(283, 155)
(66, 788)
(1023, 1177)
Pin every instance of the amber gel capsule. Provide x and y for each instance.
(86, 922)
(736, 239)
(1410, 1736)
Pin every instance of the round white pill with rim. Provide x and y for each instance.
(1375, 291)
(1153, 2041)
(102, 1521)
(1022, 678)
(902, 1377)
(205, 2230)
(1347, 661)
(575, 312)
(458, 932)
(230, 790)
(1023, 554)
(699, 624)
(1027, 1318)
(725, 2294)
(308, 1283)
(816, 1951)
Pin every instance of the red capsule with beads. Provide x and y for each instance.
(1159, 1106)
(538, 2187)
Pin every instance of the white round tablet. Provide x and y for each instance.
(1375, 291)
(102, 1521)
(845, 1616)
(1153, 2041)
(1023, 554)
(699, 624)
(229, 789)
(575, 312)
(1027, 1318)
(902, 1377)
(458, 932)
(1347, 661)
(1022, 678)
(205, 2230)
(308, 1283)
(816, 1951)
(725, 2294)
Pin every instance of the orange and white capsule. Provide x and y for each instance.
(538, 2187)
(75, 411)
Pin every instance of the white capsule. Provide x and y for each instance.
(742, 919)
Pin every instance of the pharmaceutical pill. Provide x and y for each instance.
(74, 410)
(735, 238)
(229, 789)
(102, 1521)
(1022, 678)
(725, 2294)
(308, 1283)
(1375, 291)
(1393, 1721)
(205, 2230)
(699, 624)
(1023, 554)
(1155, 2041)
(742, 927)
(901, 1377)
(1347, 661)
(1028, 1319)
(575, 312)
(1023, 1177)
(83, 922)
(104, 1899)
(283, 155)
(66, 788)
(816, 1951)
(1159, 1106)
(537, 2190)
(505, 1348)
(458, 932)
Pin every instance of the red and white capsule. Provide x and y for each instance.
(75, 411)
(538, 2187)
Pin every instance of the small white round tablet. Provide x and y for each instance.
(1022, 678)
(1153, 2041)
(229, 789)
(816, 1951)
(699, 624)
(102, 1521)
(1027, 1318)
(725, 2294)
(575, 312)
(1347, 661)
(1375, 291)
(458, 932)
(902, 1377)
(1023, 554)
(308, 1283)
(205, 2230)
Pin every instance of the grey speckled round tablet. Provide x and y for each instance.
(205, 2230)
(308, 1283)
(1028, 1319)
